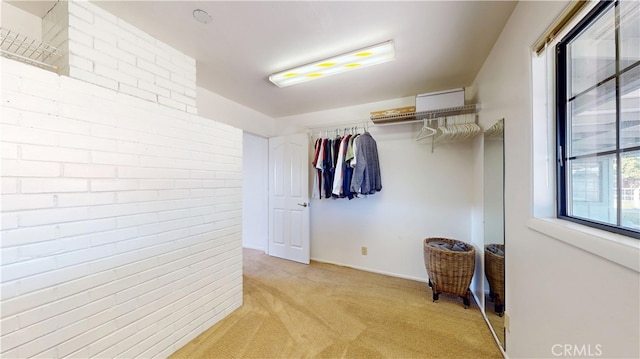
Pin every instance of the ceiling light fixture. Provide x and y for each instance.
(358, 59)
(202, 16)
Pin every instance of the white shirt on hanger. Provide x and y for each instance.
(337, 177)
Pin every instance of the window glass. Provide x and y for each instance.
(592, 54)
(586, 181)
(593, 120)
(630, 107)
(589, 181)
(629, 33)
(630, 193)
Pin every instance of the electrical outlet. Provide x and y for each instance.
(507, 322)
(364, 251)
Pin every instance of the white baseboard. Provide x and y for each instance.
(253, 246)
(390, 274)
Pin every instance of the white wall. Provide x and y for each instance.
(424, 194)
(121, 212)
(556, 293)
(212, 105)
(20, 21)
(255, 192)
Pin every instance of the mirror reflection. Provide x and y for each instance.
(494, 253)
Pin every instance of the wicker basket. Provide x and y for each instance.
(449, 271)
(494, 270)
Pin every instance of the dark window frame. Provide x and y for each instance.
(562, 109)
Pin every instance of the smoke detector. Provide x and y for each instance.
(202, 16)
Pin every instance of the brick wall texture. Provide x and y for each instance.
(121, 208)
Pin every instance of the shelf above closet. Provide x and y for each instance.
(425, 115)
(22, 48)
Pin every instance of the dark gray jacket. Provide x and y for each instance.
(366, 175)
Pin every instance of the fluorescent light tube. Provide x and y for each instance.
(358, 59)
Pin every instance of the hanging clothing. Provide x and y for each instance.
(338, 181)
(345, 167)
(348, 169)
(327, 169)
(349, 154)
(317, 171)
(366, 175)
(354, 160)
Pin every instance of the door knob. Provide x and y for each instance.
(305, 204)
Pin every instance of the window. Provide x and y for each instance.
(598, 119)
(587, 182)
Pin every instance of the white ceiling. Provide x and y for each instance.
(439, 45)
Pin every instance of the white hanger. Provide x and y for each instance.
(455, 129)
(446, 131)
(425, 132)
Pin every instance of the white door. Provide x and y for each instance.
(289, 197)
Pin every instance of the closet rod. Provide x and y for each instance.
(397, 123)
(340, 126)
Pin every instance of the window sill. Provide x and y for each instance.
(616, 248)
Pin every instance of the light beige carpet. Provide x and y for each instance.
(293, 310)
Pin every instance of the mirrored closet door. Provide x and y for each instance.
(494, 252)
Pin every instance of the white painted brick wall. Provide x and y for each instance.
(105, 50)
(121, 217)
(55, 32)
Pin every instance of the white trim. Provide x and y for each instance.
(616, 248)
(423, 280)
(256, 247)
